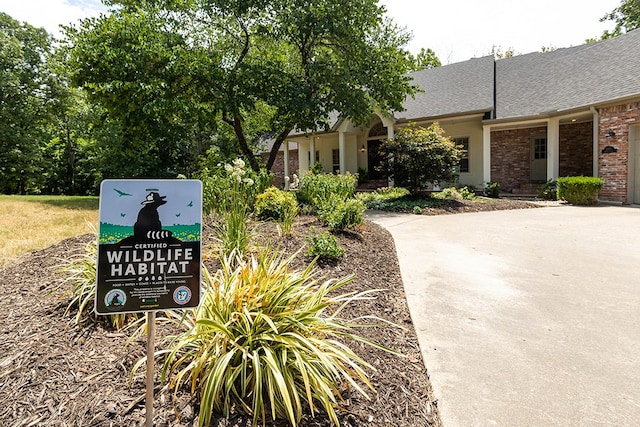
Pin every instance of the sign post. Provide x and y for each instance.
(149, 252)
(151, 334)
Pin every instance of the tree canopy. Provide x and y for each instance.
(170, 69)
(425, 59)
(25, 86)
(626, 16)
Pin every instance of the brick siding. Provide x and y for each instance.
(576, 149)
(278, 166)
(511, 154)
(613, 167)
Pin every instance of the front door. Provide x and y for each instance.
(375, 160)
(539, 159)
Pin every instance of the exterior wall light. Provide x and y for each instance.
(610, 133)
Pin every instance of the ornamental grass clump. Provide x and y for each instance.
(80, 272)
(269, 342)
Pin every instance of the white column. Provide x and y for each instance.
(390, 135)
(486, 154)
(553, 149)
(342, 150)
(286, 165)
(312, 151)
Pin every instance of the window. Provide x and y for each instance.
(335, 160)
(539, 148)
(316, 161)
(464, 160)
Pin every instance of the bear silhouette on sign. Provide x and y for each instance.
(148, 227)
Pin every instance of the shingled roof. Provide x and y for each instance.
(532, 84)
(568, 78)
(525, 86)
(458, 88)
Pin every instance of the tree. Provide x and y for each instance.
(145, 79)
(418, 155)
(25, 84)
(497, 52)
(425, 59)
(300, 60)
(626, 16)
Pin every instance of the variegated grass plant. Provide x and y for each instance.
(268, 341)
(80, 273)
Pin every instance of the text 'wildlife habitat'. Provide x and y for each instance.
(149, 245)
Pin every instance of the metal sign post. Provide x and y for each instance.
(151, 335)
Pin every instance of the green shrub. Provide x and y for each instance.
(315, 189)
(363, 175)
(324, 246)
(340, 214)
(453, 193)
(275, 204)
(417, 156)
(580, 190)
(268, 342)
(467, 192)
(492, 189)
(317, 169)
(278, 205)
(417, 210)
(382, 195)
(549, 191)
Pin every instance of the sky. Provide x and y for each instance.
(456, 30)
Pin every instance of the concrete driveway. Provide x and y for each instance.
(526, 317)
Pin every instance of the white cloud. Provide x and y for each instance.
(50, 14)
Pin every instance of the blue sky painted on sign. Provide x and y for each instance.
(121, 200)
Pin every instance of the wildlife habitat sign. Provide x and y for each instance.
(149, 245)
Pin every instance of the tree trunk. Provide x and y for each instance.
(276, 147)
(236, 124)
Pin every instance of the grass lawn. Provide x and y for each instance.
(29, 223)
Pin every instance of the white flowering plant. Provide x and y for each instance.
(230, 193)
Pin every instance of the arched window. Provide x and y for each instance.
(378, 130)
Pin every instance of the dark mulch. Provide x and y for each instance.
(57, 373)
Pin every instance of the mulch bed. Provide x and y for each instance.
(56, 373)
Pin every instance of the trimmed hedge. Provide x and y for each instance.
(580, 190)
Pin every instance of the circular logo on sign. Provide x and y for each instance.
(182, 295)
(115, 299)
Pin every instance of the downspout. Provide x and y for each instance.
(596, 127)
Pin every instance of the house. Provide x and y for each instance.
(523, 120)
